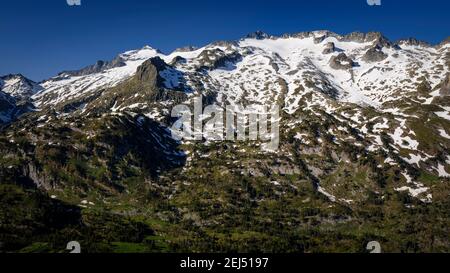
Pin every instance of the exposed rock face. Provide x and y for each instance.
(341, 62)
(424, 88)
(445, 88)
(413, 42)
(375, 37)
(152, 74)
(37, 177)
(186, 49)
(356, 37)
(329, 48)
(148, 72)
(375, 54)
(7, 105)
(259, 35)
(215, 58)
(177, 60)
(318, 40)
(99, 66)
(315, 171)
(285, 169)
(319, 36)
(227, 44)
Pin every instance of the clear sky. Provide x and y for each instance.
(40, 38)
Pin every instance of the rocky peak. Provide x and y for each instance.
(376, 37)
(148, 72)
(319, 36)
(412, 42)
(258, 35)
(16, 77)
(18, 86)
(98, 67)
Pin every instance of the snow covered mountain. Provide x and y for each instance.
(18, 86)
(362, 80)
(15, 96)
(70, 85)
(365, 126)
(359, 68)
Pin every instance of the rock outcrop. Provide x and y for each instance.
(329, 48)
(374, 54)
(214, 58)
(376, 37)
(413, 42)
(99, 66)
(341, 62)
(259, 35)
(148, 72)
(445, 86)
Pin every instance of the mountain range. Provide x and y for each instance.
(364, 152)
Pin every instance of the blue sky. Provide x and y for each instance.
(40, 38)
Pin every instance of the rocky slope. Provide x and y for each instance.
(364, 152)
